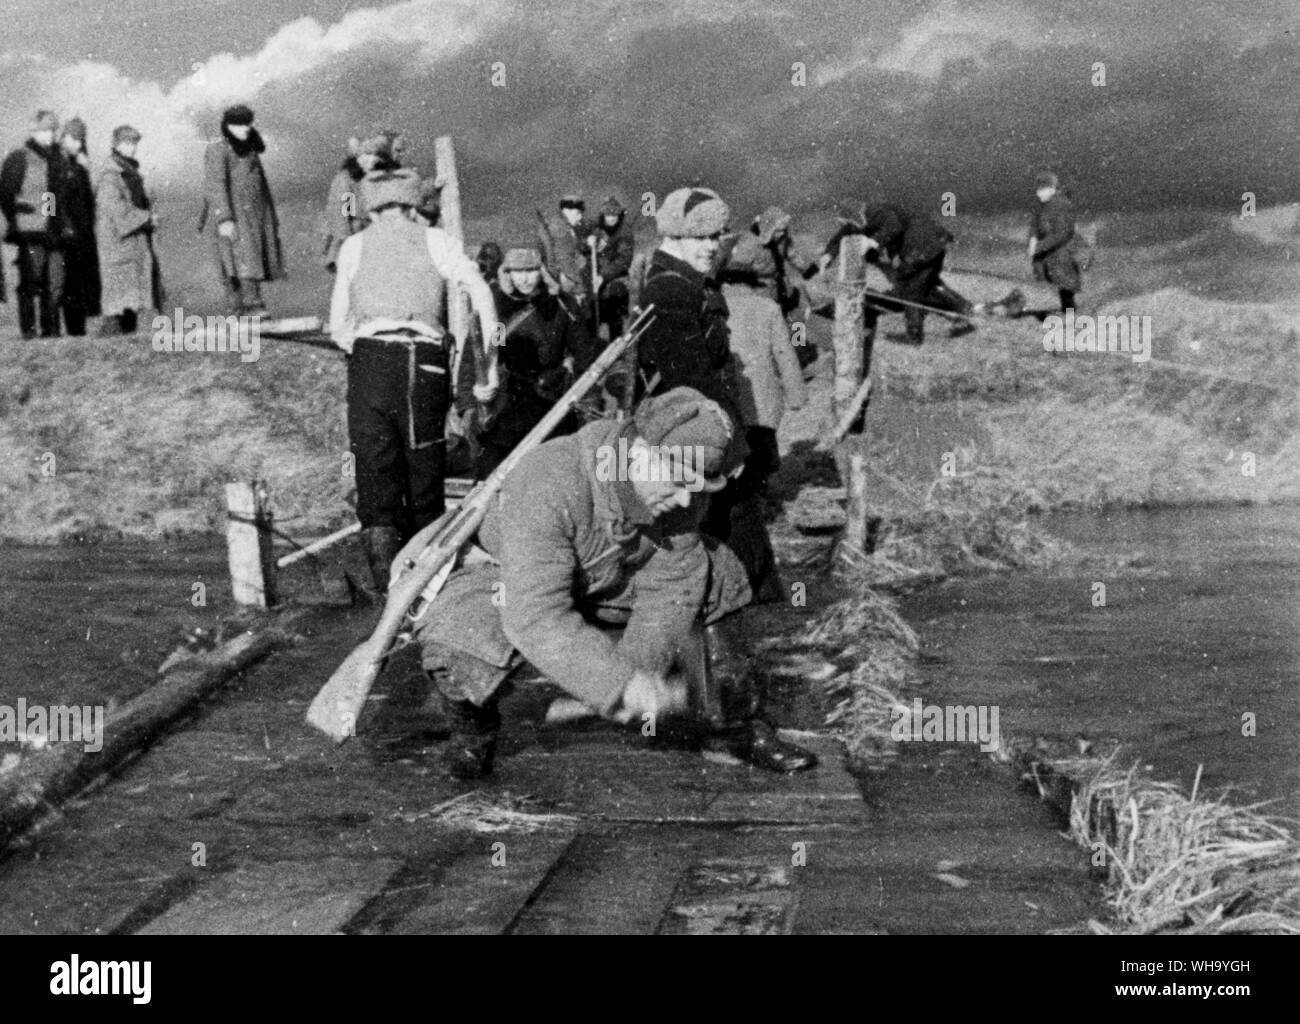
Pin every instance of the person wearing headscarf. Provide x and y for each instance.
(343, 215)
(81, 284)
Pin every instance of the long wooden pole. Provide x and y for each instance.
(849, 373)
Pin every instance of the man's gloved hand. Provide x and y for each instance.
(227, 229)
(648, 693)
(484, 393)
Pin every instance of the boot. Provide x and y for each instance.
(251, 289)
(756, 742)
(735, 689)
(473, 742)
(382, 544)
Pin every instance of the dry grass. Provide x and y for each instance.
(876, 650)
(492, 812)
(1193, 864)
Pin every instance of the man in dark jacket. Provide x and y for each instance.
(689, 345)
(541, 343)
(912, 245)
(1052, 239)
(239, 214)
(580, 543)
(31, 180)
(81, 285)
(614, 250)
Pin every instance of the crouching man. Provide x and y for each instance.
(594, 531)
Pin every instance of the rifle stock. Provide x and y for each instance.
(420, 571)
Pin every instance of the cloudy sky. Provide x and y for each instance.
(901, 97)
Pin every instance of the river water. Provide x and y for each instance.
(1189, 656)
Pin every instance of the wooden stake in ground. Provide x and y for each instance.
(248, 542)
(847, 336)
(459, 321)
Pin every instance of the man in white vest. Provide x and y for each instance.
(388, 313)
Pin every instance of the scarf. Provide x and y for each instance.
(134, 181)
(243, 147)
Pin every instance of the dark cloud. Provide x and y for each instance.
(904, 99)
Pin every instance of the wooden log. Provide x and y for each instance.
(848, 417)
(44, 778)
(248, 543)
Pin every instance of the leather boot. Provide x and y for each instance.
(473, 742)
(382, 544)
(744, 731)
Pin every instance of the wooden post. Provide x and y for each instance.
(847, 338)
(248, 540)
(444, 153)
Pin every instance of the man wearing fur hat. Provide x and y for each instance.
(614, 250)
(31, 180)
(239, 213)
(81, 285)
(387, 313)
(688, 345)
(125, 223)
(595, 531)
(1052, 239)
(542, 344)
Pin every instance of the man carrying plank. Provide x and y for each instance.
(387, 313)
(596, 530)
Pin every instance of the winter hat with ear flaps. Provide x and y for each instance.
(684, 417)
(692, 213)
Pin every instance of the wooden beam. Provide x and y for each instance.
(318, 545)
(850, 389)
(45, 778)
(449, 200)
(248, 543)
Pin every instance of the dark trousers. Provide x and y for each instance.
(737, 516)
(80, 287)
(613, 308)
(397, 411)
(921, 283)
(40, 280)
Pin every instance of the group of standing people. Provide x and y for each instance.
(84, 237)
(85, 234)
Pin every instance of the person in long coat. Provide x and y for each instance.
(239, 213)
(343, 215)
(124, 225)
(81, 284)
(1052, 239)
